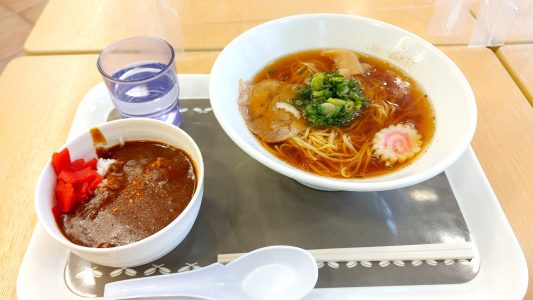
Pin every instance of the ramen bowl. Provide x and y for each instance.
(447, 90)
(145, 250)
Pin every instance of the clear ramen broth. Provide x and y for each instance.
(349, 151)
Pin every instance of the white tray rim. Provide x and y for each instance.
(503, 273)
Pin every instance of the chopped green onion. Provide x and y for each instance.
(328, 99)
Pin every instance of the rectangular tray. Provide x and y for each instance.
(247, 206)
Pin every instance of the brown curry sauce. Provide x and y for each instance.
(144, 190)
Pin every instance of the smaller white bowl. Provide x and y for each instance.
(145, 250)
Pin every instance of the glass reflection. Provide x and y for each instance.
(382, 207)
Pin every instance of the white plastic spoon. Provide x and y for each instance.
(276, 272)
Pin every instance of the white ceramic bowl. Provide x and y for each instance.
(145, 250)
(448, 90)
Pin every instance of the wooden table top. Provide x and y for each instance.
(518, 60)
(79, 26)
(39, 104)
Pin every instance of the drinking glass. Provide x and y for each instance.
(140, 76)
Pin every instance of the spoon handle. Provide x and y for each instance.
(203, 283)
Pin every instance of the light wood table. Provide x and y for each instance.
(518, 60)
(79, 26)
(40, 96)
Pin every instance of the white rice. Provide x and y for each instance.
(103, 165)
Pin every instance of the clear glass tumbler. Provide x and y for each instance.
(140, 75)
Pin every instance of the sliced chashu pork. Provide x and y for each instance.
(266, 110)
(346, 61)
